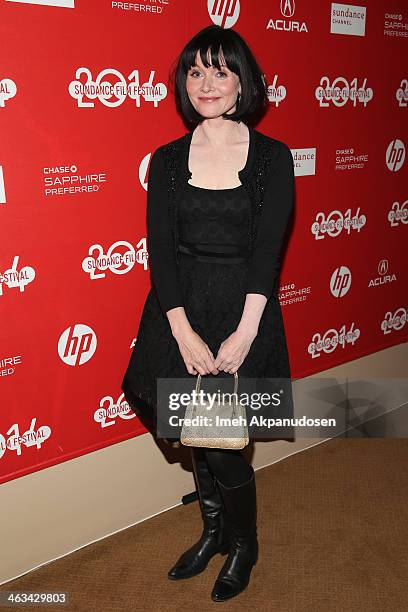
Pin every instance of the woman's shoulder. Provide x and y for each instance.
(277, 152)
(273, 143)
(168, 153)
(173, 144)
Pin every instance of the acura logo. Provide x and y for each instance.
(287, 7)
(383, 266)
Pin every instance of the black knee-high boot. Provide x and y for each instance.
(215, 537)
(240, 504)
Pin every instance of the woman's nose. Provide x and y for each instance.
(208, 82)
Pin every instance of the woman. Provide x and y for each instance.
(219, 201)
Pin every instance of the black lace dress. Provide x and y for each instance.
(211, 223)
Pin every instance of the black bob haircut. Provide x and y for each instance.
(238, 58)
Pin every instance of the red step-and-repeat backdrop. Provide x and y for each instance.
(85, 100)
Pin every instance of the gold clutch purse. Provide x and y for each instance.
(215, 425)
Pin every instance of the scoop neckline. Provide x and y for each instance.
(241, 173)
(212, 190)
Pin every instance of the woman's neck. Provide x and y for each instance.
(218, 132)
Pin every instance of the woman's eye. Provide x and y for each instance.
(193, 73)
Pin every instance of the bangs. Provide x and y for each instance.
(215, 50)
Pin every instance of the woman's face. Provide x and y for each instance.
(212, 92)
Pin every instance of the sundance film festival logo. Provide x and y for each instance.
(347, 19)
(394, 321)
(398, 214)
(224, 13)
(110, 83)
(8, 90)
(15, 277)
(340, 281)
(109, 410)
(286, 23)
(31, 437)
(395, 155)
(77, 344)
(119, 259)
(401, 94)
(337, 222)
(341, 91)
(332, 339)
(276, 93)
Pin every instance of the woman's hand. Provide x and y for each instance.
(233, 351)
(195, 352)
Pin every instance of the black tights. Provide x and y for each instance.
(229, 466)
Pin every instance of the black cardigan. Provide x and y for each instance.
(268, 177)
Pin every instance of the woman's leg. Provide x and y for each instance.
(229, 466)
(236, 479)
(215, 537)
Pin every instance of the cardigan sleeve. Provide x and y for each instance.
(160, 245)
(277, 208)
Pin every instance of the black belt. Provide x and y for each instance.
(223, 253)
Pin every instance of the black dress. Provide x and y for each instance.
(213, 279)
